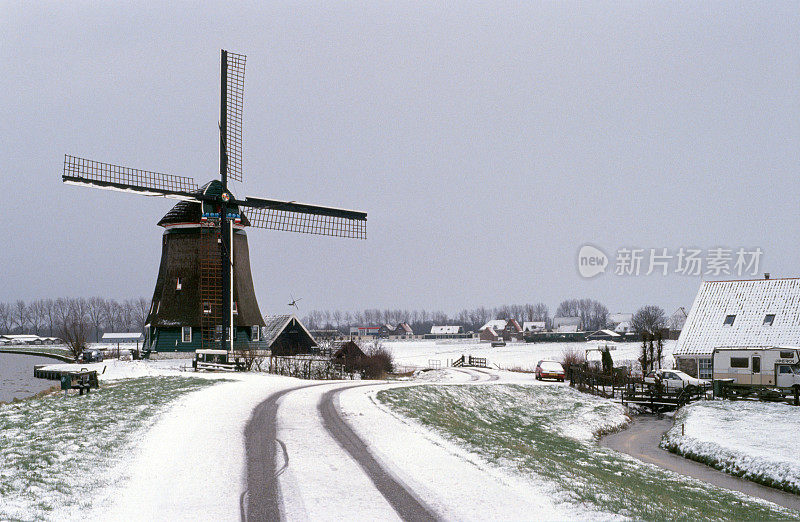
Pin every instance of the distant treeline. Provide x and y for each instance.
(593, 314)
(49, 317)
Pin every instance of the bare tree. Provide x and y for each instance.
(141, 307)
(50, 314)
(20, 315)
(96, 308)
(6, 318)
(649, 319)
(75, 328)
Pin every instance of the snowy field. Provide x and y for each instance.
(756, 440)
(546, 435)
(56, 453)
(136, 449)
(512, 356)
(474, 444)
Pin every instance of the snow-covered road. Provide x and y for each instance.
(322, 451)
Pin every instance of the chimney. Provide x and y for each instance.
(766, 275)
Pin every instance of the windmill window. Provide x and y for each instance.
(235, 308)
(186, 334)
(769, 319)
(206, 307)
(729, 320)
(178, 284)
(254, 333)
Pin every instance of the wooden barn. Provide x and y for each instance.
(286, 335)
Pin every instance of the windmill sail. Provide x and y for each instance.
(81, 171)
(234, 97)
(309, 219)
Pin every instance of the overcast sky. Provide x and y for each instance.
(487, 141)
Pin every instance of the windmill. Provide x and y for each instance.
(218, 217)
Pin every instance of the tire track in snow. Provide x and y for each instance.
(401, 498)
(263, 496)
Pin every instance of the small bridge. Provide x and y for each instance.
(475, 362)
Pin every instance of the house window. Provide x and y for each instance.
(729, 320)
(206, 307)
(740, 362)
(235, 308)
(255, 332)
(704, 368)
(186, 334)
(769, 319)
(178, 284)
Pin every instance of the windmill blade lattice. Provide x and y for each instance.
(97, 174)
(306, 219)
(234, 96)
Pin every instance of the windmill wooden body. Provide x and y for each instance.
(204, 282)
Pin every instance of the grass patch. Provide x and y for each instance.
(548, 433)
(55, 451)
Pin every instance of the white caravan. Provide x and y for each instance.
(777, 366)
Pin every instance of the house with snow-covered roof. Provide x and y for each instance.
(534, 326)
(446, 330)
(566, 324)
(506, 329)
(286, 335)
(748, 313)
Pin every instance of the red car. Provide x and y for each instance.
(549, 370)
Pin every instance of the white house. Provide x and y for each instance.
(760, 312)
(446, 330)
(533, 326)
(566, 324)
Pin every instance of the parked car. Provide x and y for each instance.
(674, 379)
(549, 370)
(90, 356)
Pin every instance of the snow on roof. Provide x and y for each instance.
(566, 321)
(529, 326)
(567, 328)
(444, 330)
(610, 333)
(620, 318)
(21, 337)
(495, 324)
(405, 327)
(123, 335)
(275, 324)
(624, 326)
(747, 304)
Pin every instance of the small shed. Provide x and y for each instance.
(286, 335)
(604, 335)
(123, 337)
(349, 350)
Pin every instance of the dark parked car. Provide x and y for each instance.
(90, 356)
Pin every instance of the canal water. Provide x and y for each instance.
(16, 376)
